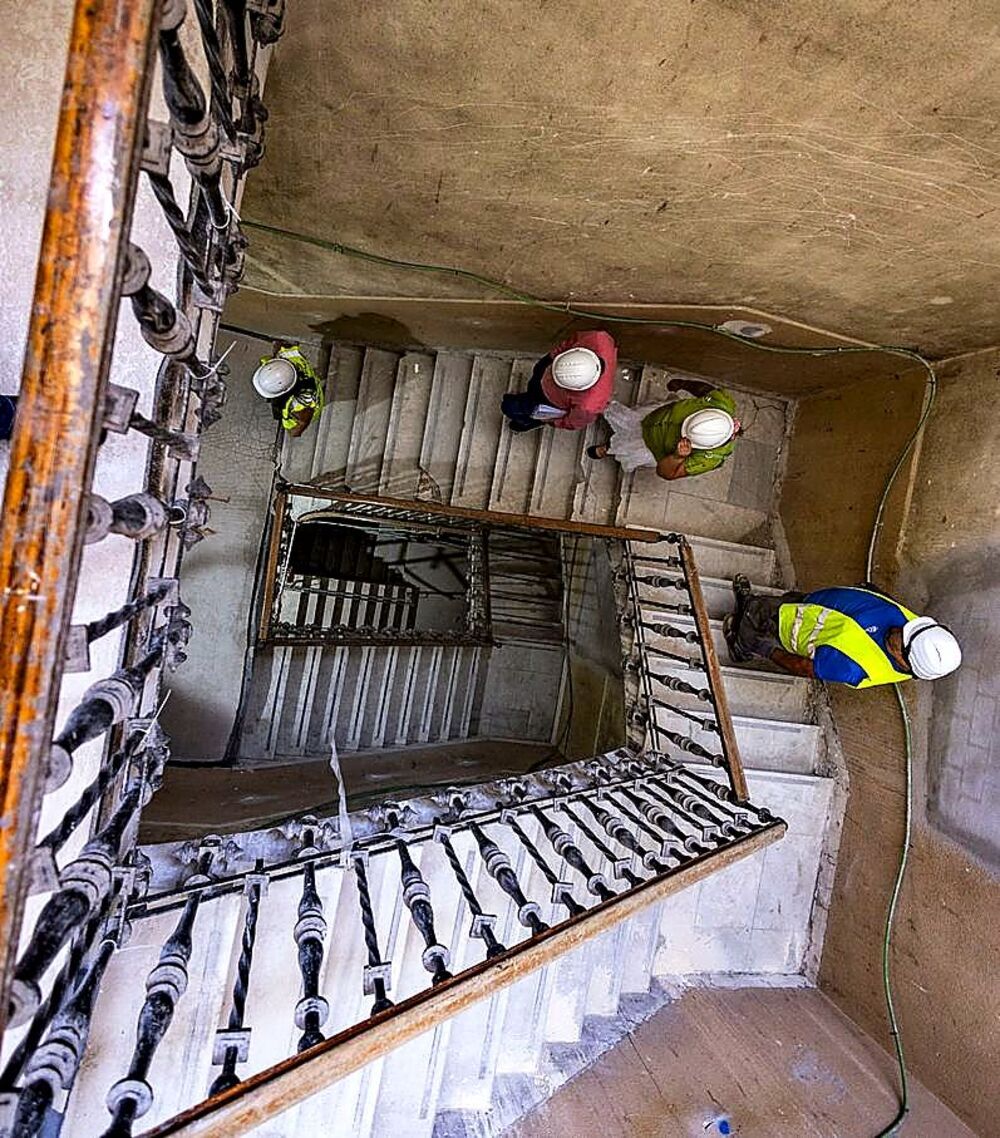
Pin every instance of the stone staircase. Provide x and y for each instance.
(427, 425)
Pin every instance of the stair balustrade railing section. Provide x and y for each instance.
(391, 919)
(648, 617)
(73, 798)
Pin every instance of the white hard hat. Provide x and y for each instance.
(576, 369)
(930, 649)
(275, 377)
(708, 428)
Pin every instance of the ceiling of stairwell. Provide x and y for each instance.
(834, 163)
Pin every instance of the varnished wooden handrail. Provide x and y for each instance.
(70, 335)
(268, 1093)
(710, 658)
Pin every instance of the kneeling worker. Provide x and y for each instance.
(569, 387)
(680, 439)
(294, 390)
(851, 636)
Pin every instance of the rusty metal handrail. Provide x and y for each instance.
(74, 314)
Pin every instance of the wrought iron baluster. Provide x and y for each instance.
(160, 591)
(566, 848)
(104, 704)
(616, 828)
(499, 868)
(190, 250)
(656, 823)
(310, 931)
(482, 923)
(181, 444)
(196, 131)
(731, 818)
(378, 971)
(221, 92)
(136, 516)
(562, 891)
(164, 327)
(723, 796)
(669, 630)
(708, 825)
(130, 1098)
(675, 683)
(646, 558)
(704, 724)
(685, 744)
(52, 1068)
(232, 1044)
(66, 977)
(621, 865)
(235, 14)
(56, 838)
(416, 897)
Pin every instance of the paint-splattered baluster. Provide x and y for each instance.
(233, 1042)
(53, 1066)
(377, 974)
(615, 828)
(130, 1098)
(417, 898)
(562, 891)
(310, 931)
(566, 848)
(482, 923)
(499, 868)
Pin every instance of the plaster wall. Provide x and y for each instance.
(934, 554)
(836, 163)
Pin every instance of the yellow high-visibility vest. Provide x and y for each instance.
(803, 627)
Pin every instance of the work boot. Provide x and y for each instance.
(731, 624)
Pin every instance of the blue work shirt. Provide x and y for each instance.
(876, 615)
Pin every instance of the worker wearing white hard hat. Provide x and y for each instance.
(569, 387)
(680, 439)
(287, 380)
(853, 636)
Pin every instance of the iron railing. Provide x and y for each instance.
(389, 920)
(73, 802)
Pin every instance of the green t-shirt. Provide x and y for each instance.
(661, 430)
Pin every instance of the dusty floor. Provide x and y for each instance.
(771, 1063)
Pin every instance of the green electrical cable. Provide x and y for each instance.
(619, 318)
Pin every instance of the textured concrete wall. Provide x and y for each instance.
(836, 163)
(947, 938)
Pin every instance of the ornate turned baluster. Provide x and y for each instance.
(81, 636)
(164, 327)
(130, 1098)
(310, 930)
(136, 516)
(709, 825)
(616, 829)
(711, 816)
(676, 842)
(566, 848)
(622, 866)
(416, 897)
(84, 884)
(721, 796)
(378, 972)
(693, 748)
(670, 631)
(196, 131)
(562, 891)
(482, 923)
(52, 1068)
(232, 1044)
(499, 868)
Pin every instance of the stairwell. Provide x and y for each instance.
(426, 426)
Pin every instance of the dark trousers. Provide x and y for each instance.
(519, 406)
(755, 623)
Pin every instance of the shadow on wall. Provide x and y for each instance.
(963, 793)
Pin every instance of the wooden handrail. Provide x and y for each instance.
(279, 1088)
(710, 658)
(70, 334)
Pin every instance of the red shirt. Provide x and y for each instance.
(583, 407)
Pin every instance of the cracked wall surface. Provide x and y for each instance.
(833, 163)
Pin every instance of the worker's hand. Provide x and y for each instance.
(684, 448)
